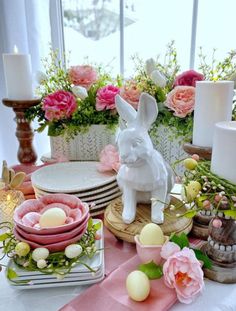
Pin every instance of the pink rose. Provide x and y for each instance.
(83, 75)
(188, 78)
(181, 100)
(105, 98)
(109, 159)
(183, 272)
(169, 249)
(59, 105)
(131, 93)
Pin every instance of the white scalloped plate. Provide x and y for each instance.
(70, 177)
(97, 192)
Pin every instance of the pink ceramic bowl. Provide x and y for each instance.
(51, 238)
(149, 253)
(26, 215)
(52, 247)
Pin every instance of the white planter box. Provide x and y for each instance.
(170, 147)
(85, 146)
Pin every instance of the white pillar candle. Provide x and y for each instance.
(224, 151)
(213, 103)
(18, 75)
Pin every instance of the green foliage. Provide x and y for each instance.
(86, 113)
(211, 185)
(217, 70)
(204, 258)
(181, 240)
(152, 270)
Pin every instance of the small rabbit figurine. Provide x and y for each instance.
(143, 173)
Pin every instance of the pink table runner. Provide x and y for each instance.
(110, 294)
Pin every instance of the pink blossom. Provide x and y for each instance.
(59, 105)
(83, 76)
(169, 249)
(131, 93)
(181, 100)
(105, 99)
(183, 272)
(109, 159)
(188, 78)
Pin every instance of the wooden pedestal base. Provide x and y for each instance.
(203, 152)
(113, 220)
(219, 272)
(26, 153)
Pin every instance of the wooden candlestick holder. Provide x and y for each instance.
(26, 153)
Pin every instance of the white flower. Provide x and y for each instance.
(158, 78)
(80, 91)
(73, 250)
(40, 253)
(150, 66)
(41, 263)
(40, 76)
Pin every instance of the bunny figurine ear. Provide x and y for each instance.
(125, 110)
(147, 111)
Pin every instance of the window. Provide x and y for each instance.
(111, 31)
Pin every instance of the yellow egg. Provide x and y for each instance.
(151, 234)
(52, 217)
(138, 285)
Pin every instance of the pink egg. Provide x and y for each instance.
(31, 219)
(217, 223)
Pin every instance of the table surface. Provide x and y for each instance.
(216, 297)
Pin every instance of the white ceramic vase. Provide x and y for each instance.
(84, 146)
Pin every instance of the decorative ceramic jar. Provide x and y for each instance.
(169, 146)
(84, 146)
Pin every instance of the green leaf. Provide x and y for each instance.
(90, 223)
(152, 270)
(230, 213)
(4, 236)
(190, 214)
(97, 226)
(11, 274)
(204, 258)
(181, 240)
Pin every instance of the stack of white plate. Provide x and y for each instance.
(81, 179)
(79, 275)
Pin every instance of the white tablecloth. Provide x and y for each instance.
(216, 297)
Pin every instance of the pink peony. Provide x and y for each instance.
(169, 249)
(183, 272)
(105, 99)
(59, 105)
(181, 100)
(131, 93)
(83, 76)
(188, 78)
(109, 159)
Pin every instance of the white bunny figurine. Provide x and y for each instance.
(143, 173)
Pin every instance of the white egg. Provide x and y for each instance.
(41, 263)
(151, 234)
(40, 253)
(138, 285)
(52, 217)
(73, 250)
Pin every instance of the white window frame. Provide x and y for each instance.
(57, 31)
